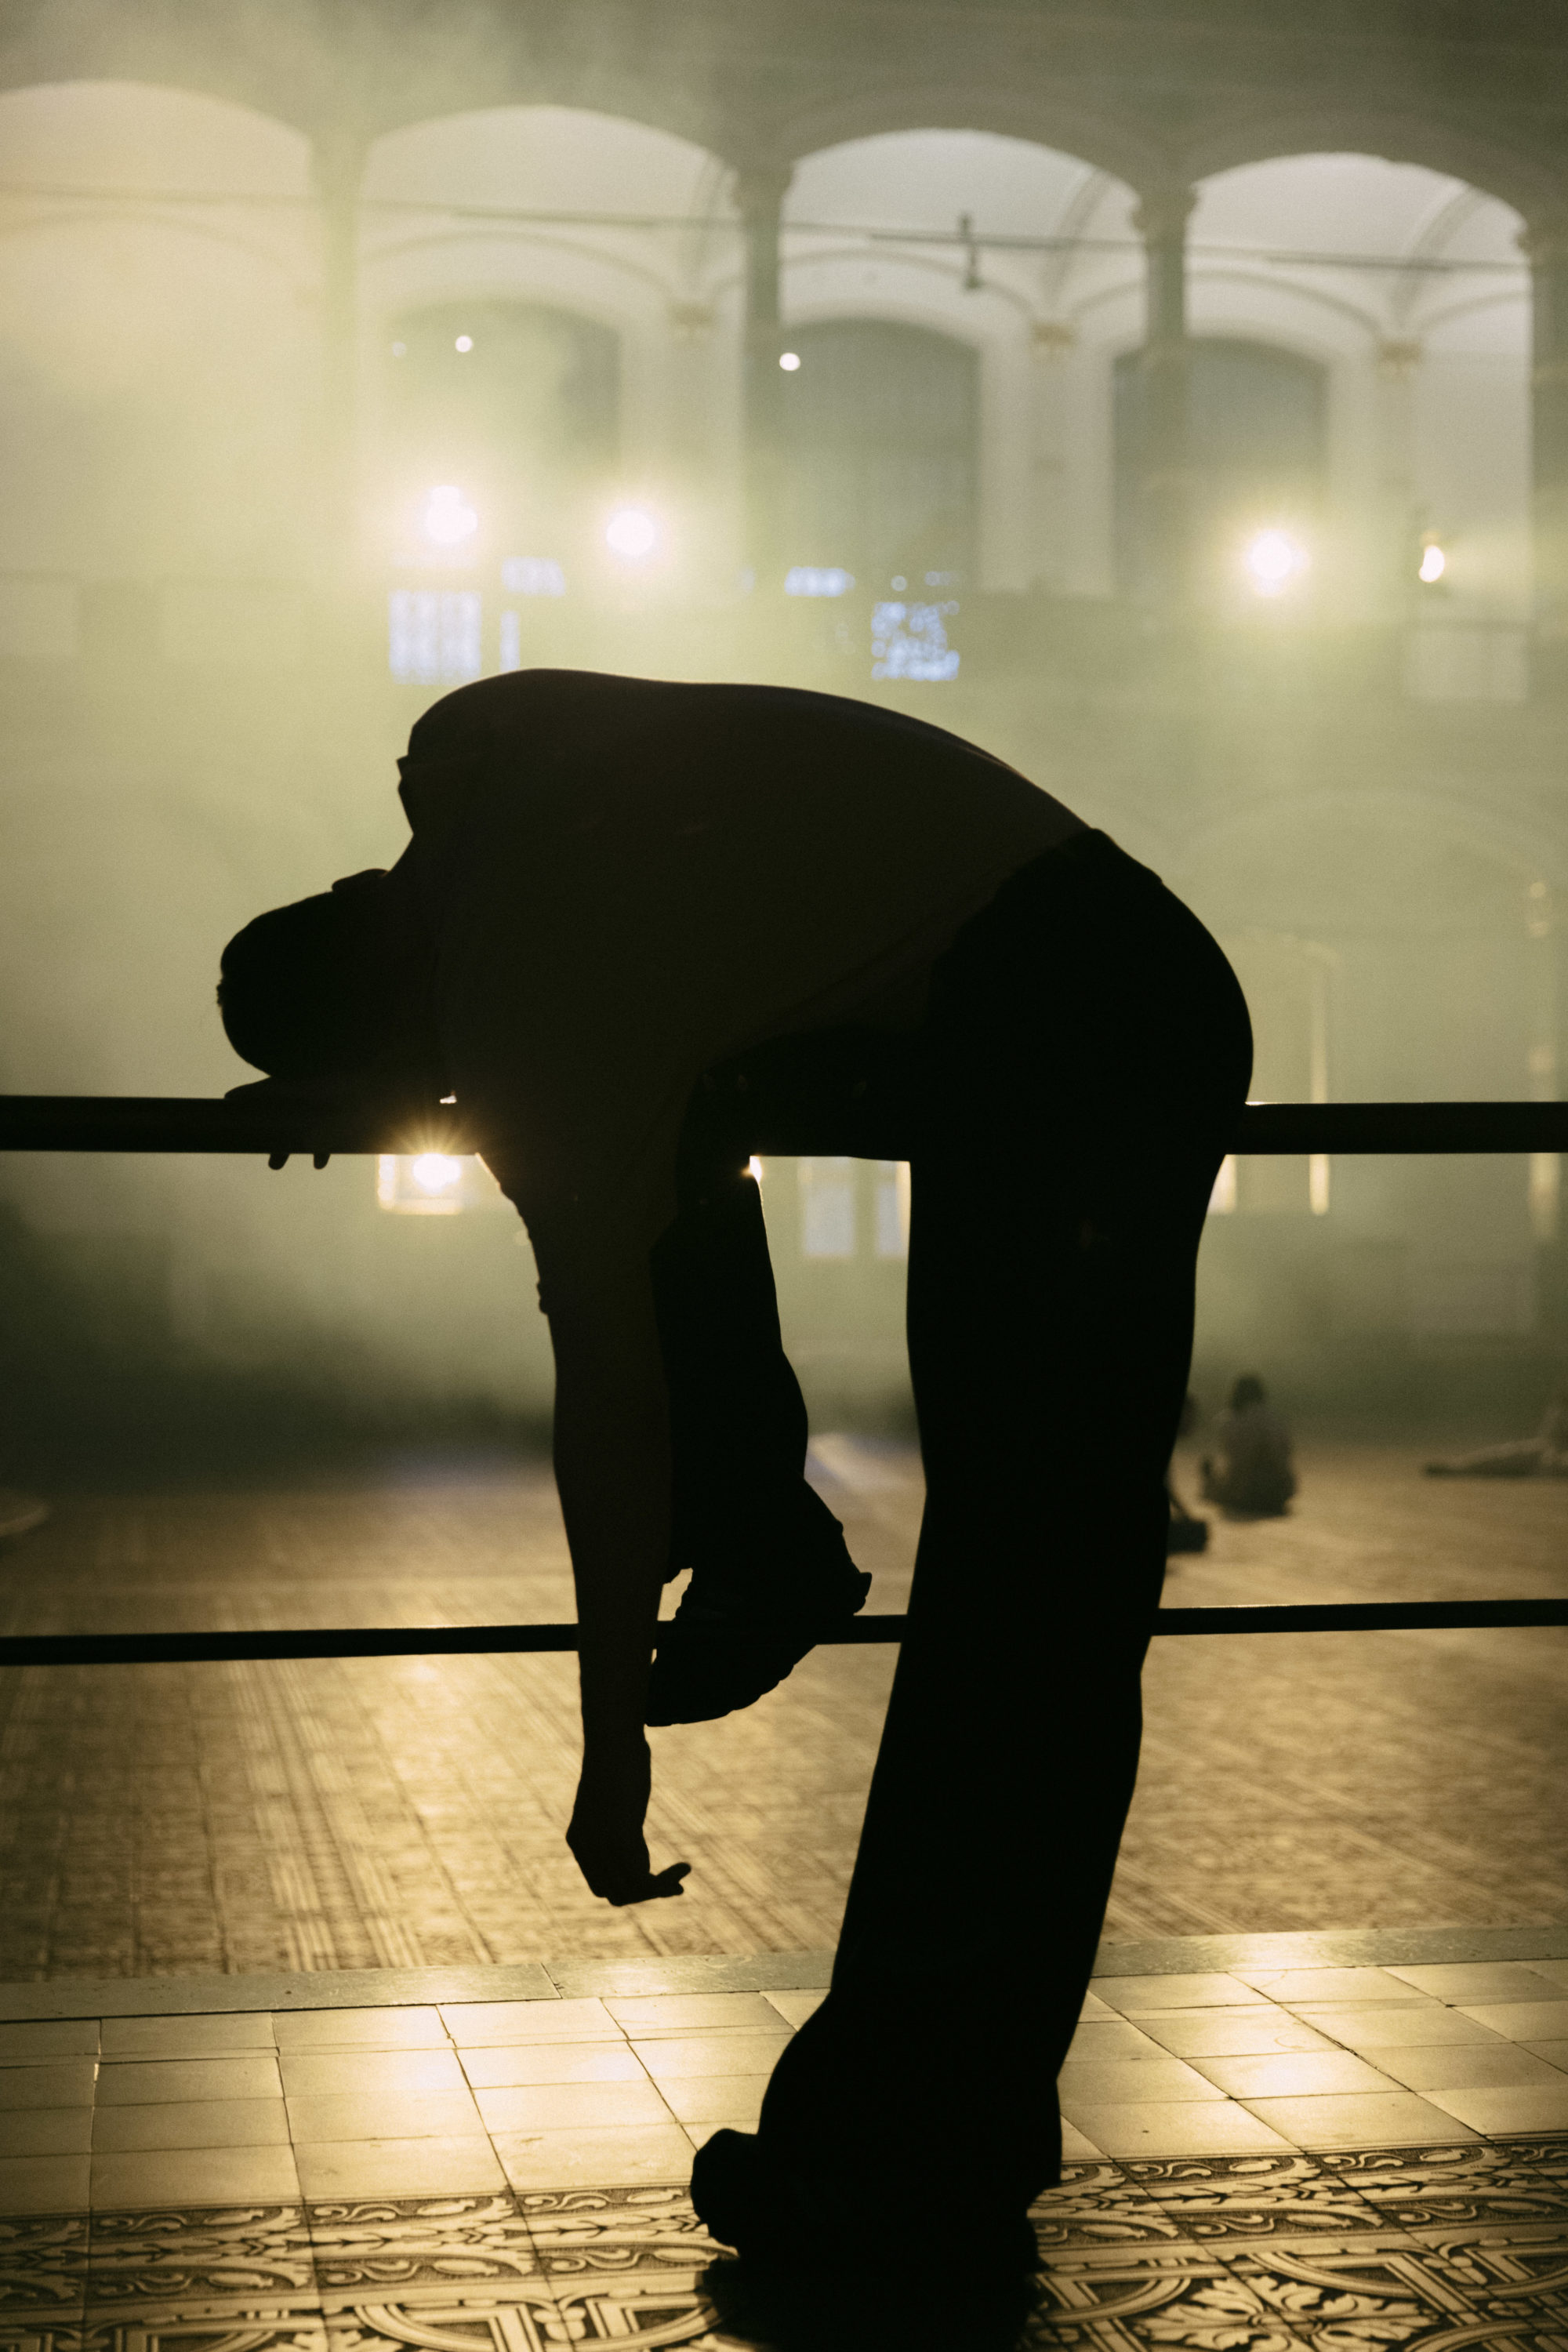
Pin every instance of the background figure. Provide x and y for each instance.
(1253, 1477)
(1544, 1455)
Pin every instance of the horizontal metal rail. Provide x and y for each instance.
(468, 1640)
(273, 1129)
(277, 1130)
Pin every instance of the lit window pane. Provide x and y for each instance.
(911, 640)
(512, 641)
(828, 1208)
(533, 575)
(433, 635)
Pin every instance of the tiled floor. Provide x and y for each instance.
(408, 1812)
(1275, 2158)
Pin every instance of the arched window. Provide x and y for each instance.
(880, 433)
(517, 406)
(1256, 435)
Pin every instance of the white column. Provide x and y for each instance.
(1050, 344)
(1396, 514)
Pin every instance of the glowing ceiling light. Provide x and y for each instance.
(1273, 560)
(399, 350)
(789, 361)
(448, 518)
(1434, 562)
(464, 343)
(433, 1171)
(631, 532)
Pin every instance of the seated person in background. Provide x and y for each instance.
(1544, 1455)
(1253, 1478)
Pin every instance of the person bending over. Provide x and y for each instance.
(641, 931)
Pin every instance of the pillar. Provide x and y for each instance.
(1050, 344)
(758, 198)
(1546, 244)
(1397, 504)
(337, 171)
(1163, 502)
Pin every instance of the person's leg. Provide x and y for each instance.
(1080, 1100)
(761, 1544)
(1520, 1458)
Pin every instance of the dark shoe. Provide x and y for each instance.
(714, 1657)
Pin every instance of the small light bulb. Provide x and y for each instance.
(1434, 562)
(448, 518)
(789, 361)
(631, 533)
(464, 343)
(1272, 560)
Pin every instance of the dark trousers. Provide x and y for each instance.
(1065, 1108)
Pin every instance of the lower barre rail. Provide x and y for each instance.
(469, 1641)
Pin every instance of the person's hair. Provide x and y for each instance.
(1248, 1390)
(296, 999)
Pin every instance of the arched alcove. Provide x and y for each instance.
(881, 439)
(516, 405)
(998, 241)
(1256, 452)
(1407, 289)
(156, 282)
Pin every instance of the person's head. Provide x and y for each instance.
(309, 991)
(1248, 1390)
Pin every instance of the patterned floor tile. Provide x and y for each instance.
(226, 2324)
(1098, 2204)
(647, 2308)
(259, 2253)
(43, 2267)
(1337, 2297)
(1227, 2200)
(1180, 2300)
(390, 2245)
(1416, 2188)
(591, 2232)
(1516, 2283)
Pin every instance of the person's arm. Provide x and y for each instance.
(613, 1471)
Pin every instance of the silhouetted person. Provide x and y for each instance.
(1544, 1455)
(1253, 1477)
(641, 931)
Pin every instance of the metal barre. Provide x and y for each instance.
(469, 1640)
(204, 1124)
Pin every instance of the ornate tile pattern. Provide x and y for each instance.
(1457, 2249)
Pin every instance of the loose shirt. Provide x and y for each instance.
(629, 881)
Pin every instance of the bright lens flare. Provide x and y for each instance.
(631, 532)
(1434, 562)
(1273, 560)
(448, 518)
(433, 1171)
